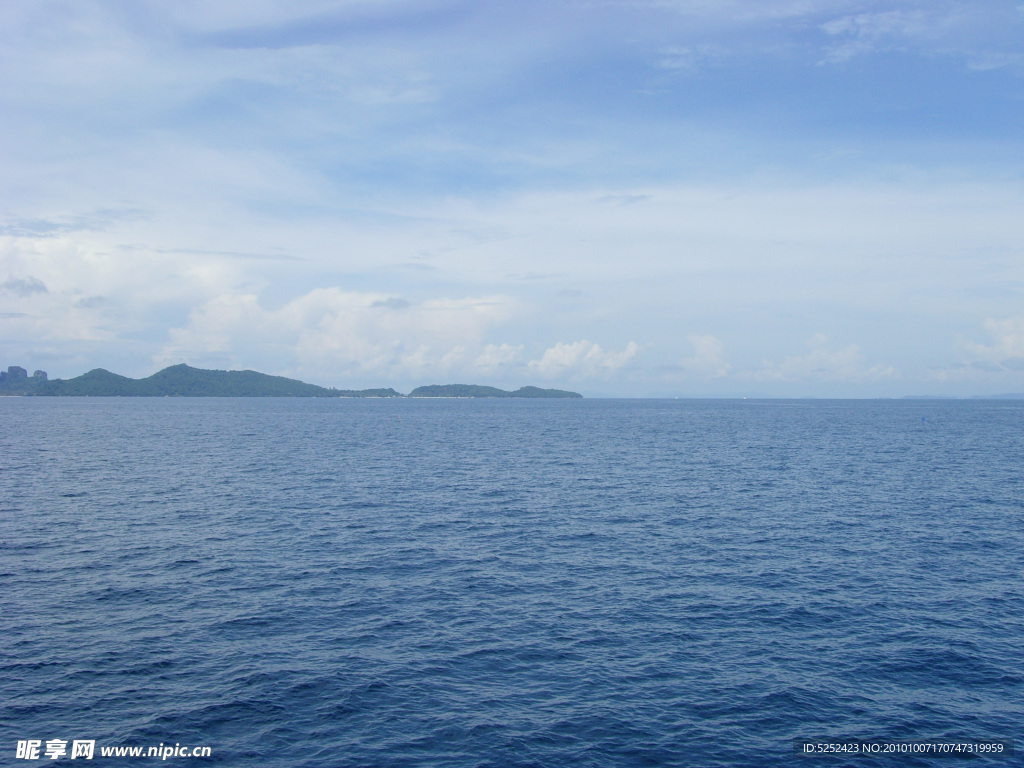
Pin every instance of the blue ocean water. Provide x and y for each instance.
(510, 582)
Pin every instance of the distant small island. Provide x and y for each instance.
(474, 390)
(185, 381)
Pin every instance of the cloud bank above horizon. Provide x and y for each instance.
(625, 197)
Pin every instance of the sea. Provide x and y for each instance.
(456, 582)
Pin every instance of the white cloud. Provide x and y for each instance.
(982, 35)
(708, 360)
(331, 332)
(689, 59)
(495, 357)
(1006, 347)
(824, 364)
(53, 294)
(581, 359)
(996, 366)
(863, 33)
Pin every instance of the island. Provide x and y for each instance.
(185, 381)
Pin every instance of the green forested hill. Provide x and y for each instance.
(185, 381)
(474, 390)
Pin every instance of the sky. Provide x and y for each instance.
(627, 198)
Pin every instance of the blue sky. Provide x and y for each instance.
(622, 197)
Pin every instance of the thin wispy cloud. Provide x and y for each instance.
(23, 286)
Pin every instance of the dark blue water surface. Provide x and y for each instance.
(510, 582)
